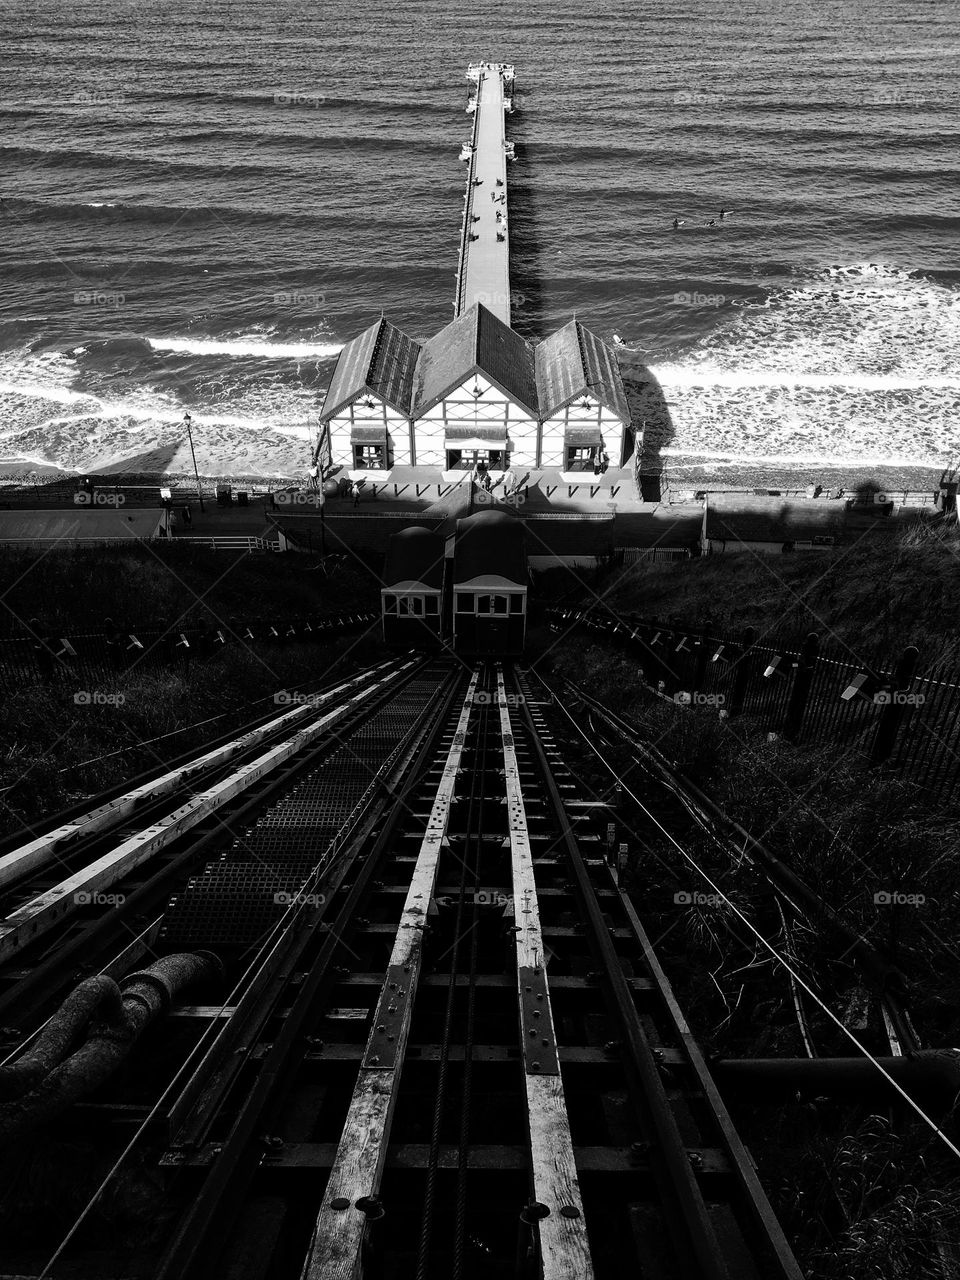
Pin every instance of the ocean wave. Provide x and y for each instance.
(251, 346)
(853, 363)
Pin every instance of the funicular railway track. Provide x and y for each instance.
(77, 885)
(453, 1054)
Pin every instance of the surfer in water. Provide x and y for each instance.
(723, 214)
(677, 224)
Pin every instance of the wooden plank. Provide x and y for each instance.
(358, 1166)
(37, 853)
(564, 1248)
(42, 913)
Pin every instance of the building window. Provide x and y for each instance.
(516, 604)
(465, 602)
(389, 604)
(467, 459)
(433, 604)
(491, 604)
(368, 456)
(411, 606)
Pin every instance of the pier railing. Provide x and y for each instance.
(468, 205)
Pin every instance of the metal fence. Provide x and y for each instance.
(802, 690)
(93, 657)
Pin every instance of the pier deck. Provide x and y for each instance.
(484, 269)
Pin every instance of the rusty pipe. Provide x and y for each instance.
(115, 1017)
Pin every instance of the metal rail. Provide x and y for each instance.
(456, 1052)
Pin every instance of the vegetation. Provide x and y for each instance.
(876, 596)
(154, 585)
(54, 753)
(860, 1201)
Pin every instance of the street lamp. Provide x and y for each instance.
(187, 420)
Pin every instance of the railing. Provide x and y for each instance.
(797, 688)
(230, 543)
(93, 658)
(468, 207)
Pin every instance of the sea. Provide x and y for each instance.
(202, 202)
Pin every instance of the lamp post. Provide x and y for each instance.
(187, 420)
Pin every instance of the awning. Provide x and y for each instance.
(475, 442)
(582, 437)
(478, 435)
(368, 435)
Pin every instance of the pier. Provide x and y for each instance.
(483, 273)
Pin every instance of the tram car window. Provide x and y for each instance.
(490, 586)
(412, 589)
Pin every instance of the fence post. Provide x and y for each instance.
(802, 679)
(700, 655)
(741, 671)
(895, 706)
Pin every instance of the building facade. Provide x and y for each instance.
(475, 392)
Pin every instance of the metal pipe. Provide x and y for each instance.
(44, 1083)
(928, 1075)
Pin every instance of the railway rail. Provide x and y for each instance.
(444, 1045)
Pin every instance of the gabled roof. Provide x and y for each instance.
(476, 342)
(380, 360)
(744, 518)
(573, 362)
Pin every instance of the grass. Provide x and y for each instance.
(45, 736)
(145, 586)
(875, 597)
(859, 1202)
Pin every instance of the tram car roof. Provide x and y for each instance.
(414, 559)
(489, 551)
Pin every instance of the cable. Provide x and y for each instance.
(914, 1106)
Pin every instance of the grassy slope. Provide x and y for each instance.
(77, 589)
(44, 736)
(875, 596)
